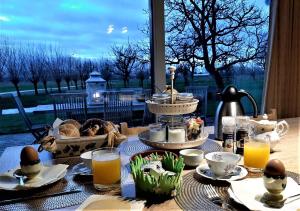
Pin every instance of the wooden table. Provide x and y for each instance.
(287, 151)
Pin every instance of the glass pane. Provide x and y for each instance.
(217, 43)
(52, 46)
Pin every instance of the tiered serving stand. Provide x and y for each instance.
(172, 109)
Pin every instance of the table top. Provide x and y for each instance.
(287, 150)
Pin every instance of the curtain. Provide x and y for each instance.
(282, 90)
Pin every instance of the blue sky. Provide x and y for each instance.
(86, 28)
(82, 27)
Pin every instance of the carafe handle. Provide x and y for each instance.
(244, 93)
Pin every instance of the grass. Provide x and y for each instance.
(14, 124)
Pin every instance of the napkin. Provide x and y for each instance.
(105, 202)
(250, 191)
(47, 175)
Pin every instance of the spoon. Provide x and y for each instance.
(17, 174)
(279, 204)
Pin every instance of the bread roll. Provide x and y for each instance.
(69, 130)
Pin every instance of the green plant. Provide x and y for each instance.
(162, 185)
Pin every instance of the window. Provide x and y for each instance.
(54, 48)
(216, 44)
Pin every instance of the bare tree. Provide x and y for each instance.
(56, 65)
(4, 52)
(69, 70)
(219, 33)
(32, 71)
(86, 68)
(125, 60)
(106, 68)
(184, 70)
(142, 73)
(15, 66)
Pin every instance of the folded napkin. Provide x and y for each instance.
(47, 175)
(250, 191)
(105, 202)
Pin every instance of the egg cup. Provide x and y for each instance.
(31, 170)
(274, 185)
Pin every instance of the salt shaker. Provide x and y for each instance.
(228, 132)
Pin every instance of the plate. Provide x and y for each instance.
(81, 169)
(204, 171)
(47, 175)
(144, 137)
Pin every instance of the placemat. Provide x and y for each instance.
(194, 197)
(56, 202)
(132, 147)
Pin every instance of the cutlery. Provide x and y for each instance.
(216, 199)
(9, 201)
(280, 204)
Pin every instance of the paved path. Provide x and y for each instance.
(15, 140)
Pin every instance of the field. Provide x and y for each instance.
(14, 124)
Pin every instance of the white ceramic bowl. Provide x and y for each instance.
(192, 157)
(86, 157)
(222, 163)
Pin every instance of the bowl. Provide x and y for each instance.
(192, 157)
(87, 159)
(161, 181)
(222, 163)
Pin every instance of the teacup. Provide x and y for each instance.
(222, 163)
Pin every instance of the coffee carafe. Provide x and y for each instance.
(230, 105)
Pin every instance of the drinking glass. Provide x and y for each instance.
(106, 165)
(256, 153)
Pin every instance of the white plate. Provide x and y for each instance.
(47, 175)
(204, 171)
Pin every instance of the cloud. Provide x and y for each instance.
(4, 19)
(110, 29)
(124, 30)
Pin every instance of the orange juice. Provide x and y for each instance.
(106, 169)
(256, 154)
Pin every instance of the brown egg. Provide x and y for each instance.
(275, 168)
(29, 156)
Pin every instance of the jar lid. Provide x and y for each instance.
(228, 121)
(160, 96)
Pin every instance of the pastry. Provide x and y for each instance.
(72, 122)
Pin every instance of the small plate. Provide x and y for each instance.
(205, 171)
(81, 169)
(47, 175)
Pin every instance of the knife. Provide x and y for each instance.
(9, 201)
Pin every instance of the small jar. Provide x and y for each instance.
(161, 98)
(184, 97)
(228, 132)
(157, 132)
(177, 133)
(242, 131)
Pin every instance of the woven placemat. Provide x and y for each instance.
(56, 202)
(194, 197)
(135, 146)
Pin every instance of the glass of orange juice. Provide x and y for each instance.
(106, 165)
(256, 153)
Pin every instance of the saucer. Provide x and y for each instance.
(81, 169)
(46, 176)
(204, 171)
